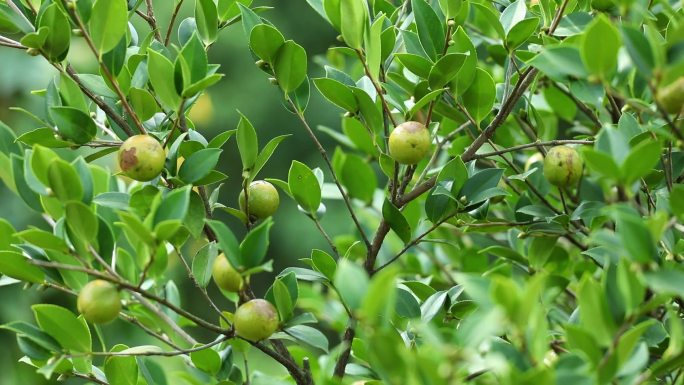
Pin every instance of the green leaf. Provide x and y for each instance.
(380, 301)
(199, 164)
(397, 221)
(640, 161)
(192, 62)
(203, 263)
(31, 332)
(82, 221)
(354, 20)
(594, 313)
(600, 46)
(304, 187)
(18, 267)
(265, 41)
(161, 73)
(446, 69)
(206, 16)
(639, 49)
(309, 336)
(227, 243)
(560, 63)
(416, 64)
(337, 93)
(513, 14)
(74, 124)
(666, 281)
(601, 163)
(521, 32)
(479, 98)
(477, 186)
(62, 325)
(283, 301)
(290, 66)
(108, 24)
(43, 239)
(207, 360)
(248, 143)
(352, 283)
(173, 206)
(65, 181)
(635, 235)
(56, 44)
(254, 247)
(121, 370)
(358, 177)
(41, 158)
(324, 263)
(143, 103)
(430, 28)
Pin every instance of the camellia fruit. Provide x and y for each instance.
(263, 199)
(99, 302)
(409, 142)
(671, 98)
(256, 320)
(225, 276)
(563, 166)
(141, 158)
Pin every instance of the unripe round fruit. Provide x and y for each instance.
(671, 98)
(263, 199)
(99, 302)
(256, 320)
(225, 276)
(409, 142)
(563, 166)
(142, 158)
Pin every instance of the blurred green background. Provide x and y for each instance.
(244, 88)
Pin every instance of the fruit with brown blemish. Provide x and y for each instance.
(256, 320)
(563, 166)
(409, 142)
(141, 158)
(99, 302)
(671, 97)
(225, 275)
(263, 199)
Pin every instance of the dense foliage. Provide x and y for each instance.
(510, 172)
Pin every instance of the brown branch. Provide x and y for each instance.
(167, 39)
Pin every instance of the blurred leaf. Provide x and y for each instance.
(600, 46)
(352, 283)
(121, 370)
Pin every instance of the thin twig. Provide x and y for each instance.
(324, 154)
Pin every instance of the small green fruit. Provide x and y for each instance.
(563, 166)
(225, 276)
(99, 302)
(409, 142)
(672, 97)
(256, 320)
(142, 158)
(263, 199)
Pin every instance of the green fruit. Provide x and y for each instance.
(263, 199)
(409, 142)
(256, 320)
(671, 98)
(99, 302)
(142, 158)
(563, 166)
(225, 276)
